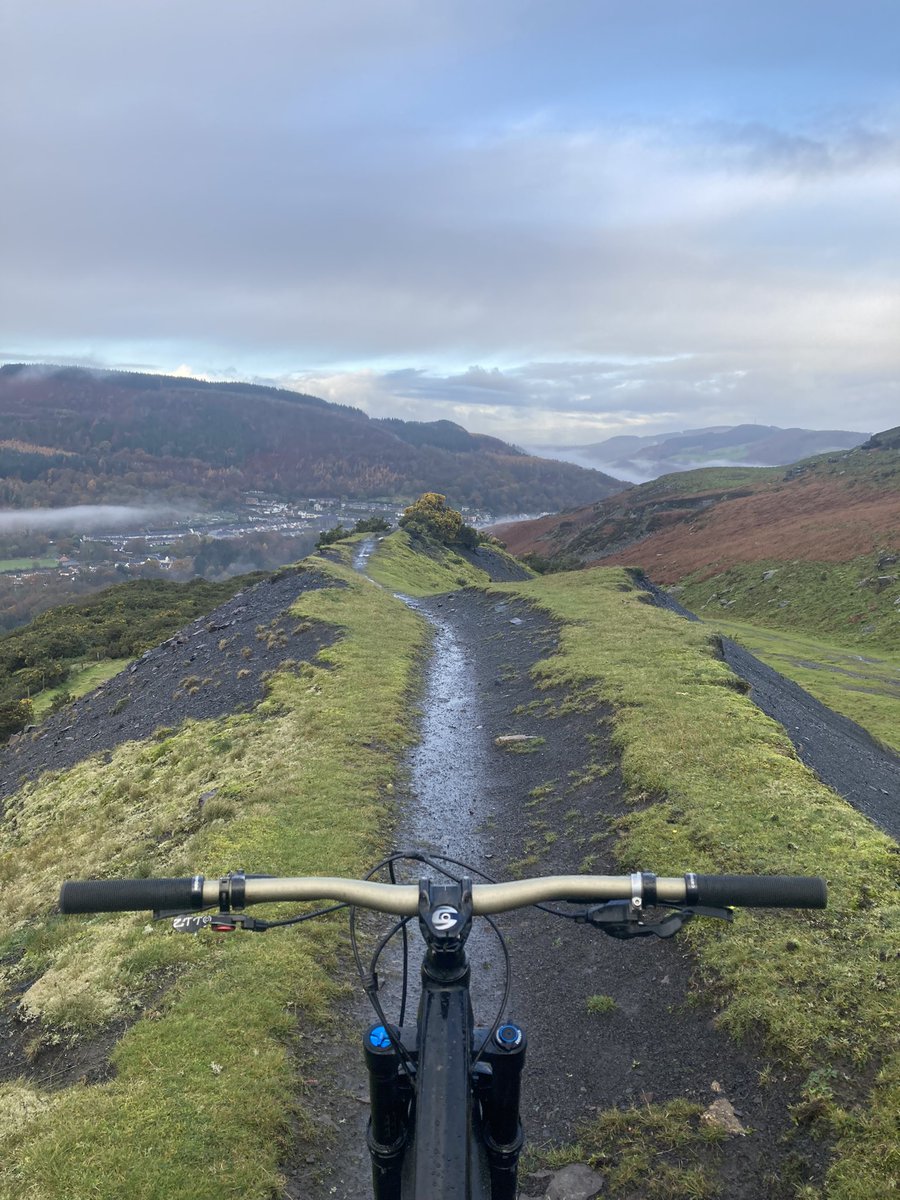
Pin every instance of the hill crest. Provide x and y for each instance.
(829, 509)
(72, 435)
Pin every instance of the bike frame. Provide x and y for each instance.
(454, 1133)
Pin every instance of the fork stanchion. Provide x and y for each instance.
(388, 1129)
(503, 1132)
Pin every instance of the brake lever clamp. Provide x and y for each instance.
(220, 922)
(622, 919)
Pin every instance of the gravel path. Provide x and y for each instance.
(214, 666)
(842, 753)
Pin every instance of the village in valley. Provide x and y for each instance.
(43, 565)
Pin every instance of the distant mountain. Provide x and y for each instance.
(69, 435)
(643, 458)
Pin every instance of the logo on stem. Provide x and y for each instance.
(444, 918)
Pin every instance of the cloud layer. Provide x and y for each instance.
(651, 216)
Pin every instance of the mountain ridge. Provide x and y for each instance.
(72, 435)
(642, 457)
(734, 537)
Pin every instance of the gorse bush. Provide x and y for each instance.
(329, 536)
(14, 716)
(432, 517)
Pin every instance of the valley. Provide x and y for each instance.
(80, 551)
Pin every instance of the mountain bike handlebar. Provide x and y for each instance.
(236, 891)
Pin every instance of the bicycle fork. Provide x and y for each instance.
(496, 1088)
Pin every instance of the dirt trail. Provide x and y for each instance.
(843, 754)
(541, 813)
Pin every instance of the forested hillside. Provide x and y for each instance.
(75, 436)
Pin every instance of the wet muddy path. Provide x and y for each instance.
(448, 810)
(552, 810)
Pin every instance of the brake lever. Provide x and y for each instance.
(621, 919)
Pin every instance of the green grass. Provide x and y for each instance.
(600, 1005)
(396, 565)
(838, 602)
(863, 687)
(665, 1151)
(80, 682)
(715, 786)
(710, 479)
(26, 564)
(204, 1096)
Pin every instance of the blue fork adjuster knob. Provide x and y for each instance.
(378, 1037)
(508, 1036)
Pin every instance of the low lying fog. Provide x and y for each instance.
(82, 518)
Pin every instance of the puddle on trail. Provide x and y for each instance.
(446, 770)
(447, 810)
(362, 554)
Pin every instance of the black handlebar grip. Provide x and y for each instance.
(127, 895)
(762, 891)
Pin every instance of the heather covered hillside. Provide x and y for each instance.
(70, 436)
(828, 508)
(813, 547)
(802, 566)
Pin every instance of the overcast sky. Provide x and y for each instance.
(550, 220)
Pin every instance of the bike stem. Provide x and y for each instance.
(453, 1100)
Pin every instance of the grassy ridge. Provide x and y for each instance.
(398, 566)
(716, 787)
(838, 602)
(299, 787)
(709, 479)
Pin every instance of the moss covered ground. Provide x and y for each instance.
(301, 785)
(715, 786)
